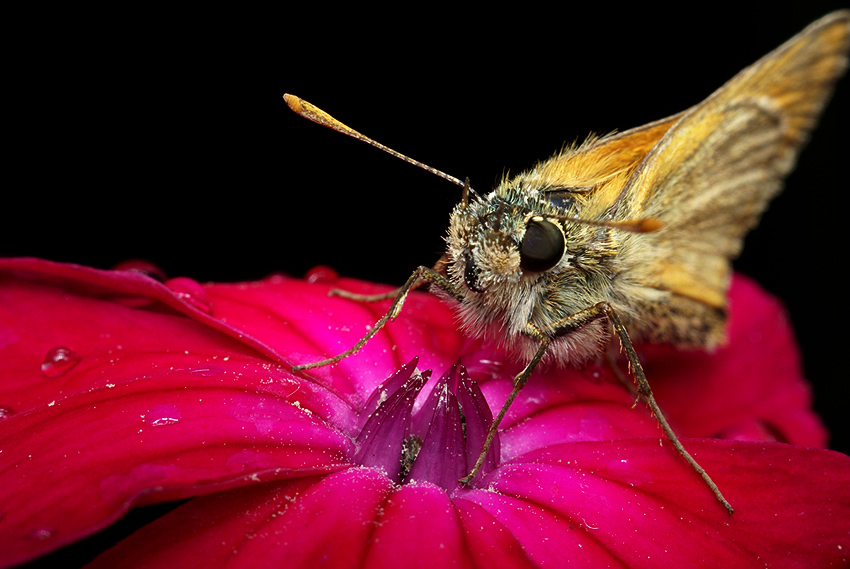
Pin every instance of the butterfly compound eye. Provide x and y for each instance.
(542, 246)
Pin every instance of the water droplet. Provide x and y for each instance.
(142, 266)
(161, 415)
(321, 274)
(40, 534)
(485, 368)
(191, 292)
(596, 373)
(58, 361)
(5, 412)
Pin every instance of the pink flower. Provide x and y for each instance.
(118, 390)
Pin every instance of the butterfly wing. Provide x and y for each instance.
(709, 178)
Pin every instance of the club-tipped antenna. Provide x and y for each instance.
(312, 112)
(318, 116)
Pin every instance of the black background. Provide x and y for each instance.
(162, 135)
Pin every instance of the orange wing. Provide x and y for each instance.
(712, 174)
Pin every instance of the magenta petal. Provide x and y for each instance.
(300, 320)
(108, 403)
(420, 523)
(490, 543)
(270, 525)
(349, 519)
(635, 503)
(73, 466)
(630, 504)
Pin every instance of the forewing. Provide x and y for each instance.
(623, 150)
(712, 174)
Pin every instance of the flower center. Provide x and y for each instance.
(437, 442)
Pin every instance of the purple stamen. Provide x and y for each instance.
(477, 420)
(382, 393)
(442, 459)
(380, 442)
(440, 442)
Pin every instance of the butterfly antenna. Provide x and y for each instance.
(318, 116)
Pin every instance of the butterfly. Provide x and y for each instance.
(633, 232)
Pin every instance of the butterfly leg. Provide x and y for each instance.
(571, 324)
(645, 392)
(438, 268)
(419, 276)
(564, 326)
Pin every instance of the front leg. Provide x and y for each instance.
(420, 275)
(439, 268)
(544, 337)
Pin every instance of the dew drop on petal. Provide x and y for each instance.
(595, 373)
(57, 361)
(5, 412)
(161, 415)
(40, 534)
(142, 266)
(321, 274)
(486, 368)
(191, 292)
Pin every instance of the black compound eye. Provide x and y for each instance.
(470, 275)
(542, 246)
